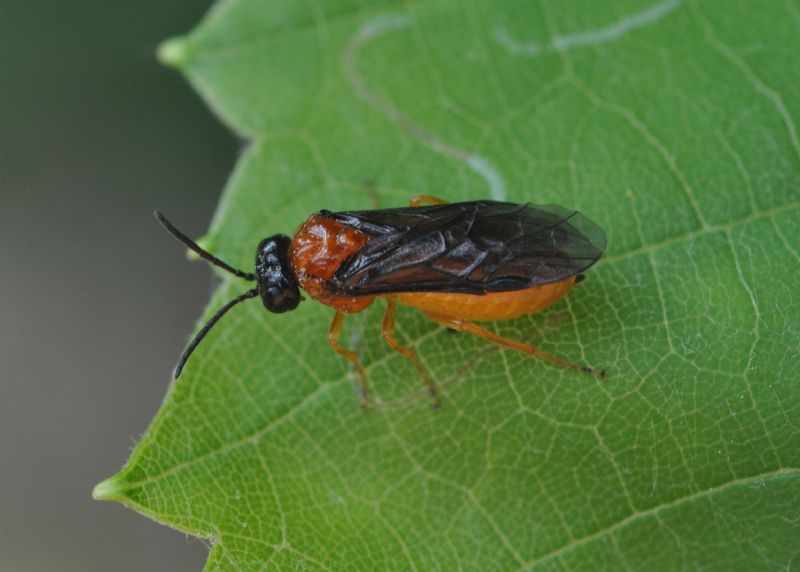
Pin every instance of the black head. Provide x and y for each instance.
(277, 284)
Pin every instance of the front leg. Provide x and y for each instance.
(333, 339)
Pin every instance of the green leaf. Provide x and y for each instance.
(673, 124)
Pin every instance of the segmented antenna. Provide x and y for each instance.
(210, 324)
(216, 262)
(196, 248)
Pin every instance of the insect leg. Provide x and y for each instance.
(387, 329)
(513, 344)
(418, 200)
(372, 192)
(333, 339)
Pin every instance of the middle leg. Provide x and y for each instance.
(418, 200)
(387, 332)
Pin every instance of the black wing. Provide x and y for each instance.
(473, 247)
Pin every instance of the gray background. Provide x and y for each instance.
(97, 300)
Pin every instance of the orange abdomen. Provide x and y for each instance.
(485, 307)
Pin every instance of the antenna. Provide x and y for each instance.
(210, 324)
(203, 254)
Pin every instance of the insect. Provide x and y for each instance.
(459, 263)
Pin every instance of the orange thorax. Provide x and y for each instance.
(319, 247)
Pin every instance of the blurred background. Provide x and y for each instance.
(97, 299)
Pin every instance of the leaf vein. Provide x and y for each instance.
(786, 472)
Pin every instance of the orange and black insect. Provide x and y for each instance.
(459, 263)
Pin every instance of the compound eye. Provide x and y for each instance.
(281, 299)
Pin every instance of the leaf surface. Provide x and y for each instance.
(673, 124)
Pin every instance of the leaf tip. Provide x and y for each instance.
(108, 490)
(174, 52)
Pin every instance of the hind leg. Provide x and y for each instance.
(527, 349)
